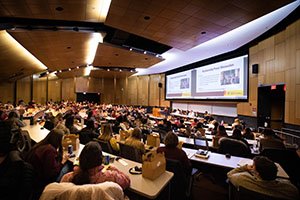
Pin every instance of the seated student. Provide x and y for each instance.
(14, 120)
(248, 134)
(261, 177)
(237, 134)
(271, 140)
(91, 170)
(215, 124)
(221, 132)
(236, 122)
(135, 140)
(199, 130)
(62, 127)
(171, 151)
(16, 176)
(88, 133)
(47, 158)
(106, 135)
(70, 125)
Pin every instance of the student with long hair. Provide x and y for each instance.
(91, 171)
(135, 140)
(107, 135)
(47, 158)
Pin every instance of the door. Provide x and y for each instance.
(90, 97)
(270, 106)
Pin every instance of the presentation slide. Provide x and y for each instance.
(225, 80)
(179, 84)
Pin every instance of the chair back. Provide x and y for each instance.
(38, 115)
(131, 153)
(179, 182)
(23, 177)
(234, 147)
(162, 135)
(201, 143)
(242, 193)
(49, 125)
(105, 145)
(24, 143)
(71, 139)
(69, 191)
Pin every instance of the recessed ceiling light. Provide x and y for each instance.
(60, 71)
(59, 8)
(146, 17)
(130, 49)
(145, 52)
(120, 70)
(108, 70)
(69, 69)
(77, 67)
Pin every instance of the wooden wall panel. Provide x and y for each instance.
(108, 93)
(23, 89)
(132, 95)
(280, 57)
(94, 84)
(121, 89)
(281, 67)
(68, 89)
(154, 90)
(163, 101)
(87, 84)
(6, 92)
(297, 114)
(143, 90)
(40, 90)
(54, 90)
(298, 64)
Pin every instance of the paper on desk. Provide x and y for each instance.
(123, 162)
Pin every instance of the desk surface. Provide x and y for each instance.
(36, 132)
(220, 160)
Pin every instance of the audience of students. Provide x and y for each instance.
(47, 158)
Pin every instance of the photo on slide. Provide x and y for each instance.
(184, 83)
(230, 77)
